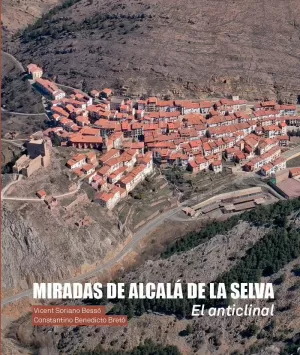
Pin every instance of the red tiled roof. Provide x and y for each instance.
(86, 139)
(88, 131)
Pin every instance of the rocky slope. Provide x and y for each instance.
(210, 335)
(191, 47)
(40, 245)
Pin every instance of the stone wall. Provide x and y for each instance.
(233, 194)
(34, 165)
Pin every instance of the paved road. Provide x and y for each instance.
(72, 88)
(258, 183)
(273, 192)
(21, 68)
(290, 153)
(137, 237)
(23, 114)
(68, 87)
(15, 60)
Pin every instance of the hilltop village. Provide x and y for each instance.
(132, 135)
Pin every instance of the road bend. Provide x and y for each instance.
(137, 237)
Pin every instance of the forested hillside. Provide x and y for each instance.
(262, 245)
(277, 248)
(273, 215)
(149, 348)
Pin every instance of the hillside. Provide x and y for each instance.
(16, 93)
(41, 245)
(17, 14)
(190, 48)
(266, 243)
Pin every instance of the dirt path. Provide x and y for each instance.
(3, 191)
(27, 199)
(12, 142)
(31, 199)
(137, 237)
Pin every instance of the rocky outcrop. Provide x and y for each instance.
(39, 245)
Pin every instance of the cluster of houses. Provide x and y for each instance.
(114, 174)
(190, 135)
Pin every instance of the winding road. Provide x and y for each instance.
(128, 248)
(35, 199)
(15, 60)
(5, 188)
(137, 237)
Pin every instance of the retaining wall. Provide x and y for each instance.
(233, 194)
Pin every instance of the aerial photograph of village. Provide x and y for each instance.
(149, 141)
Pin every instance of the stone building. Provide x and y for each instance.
(38, 151)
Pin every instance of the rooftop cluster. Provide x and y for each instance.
(193, 135)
